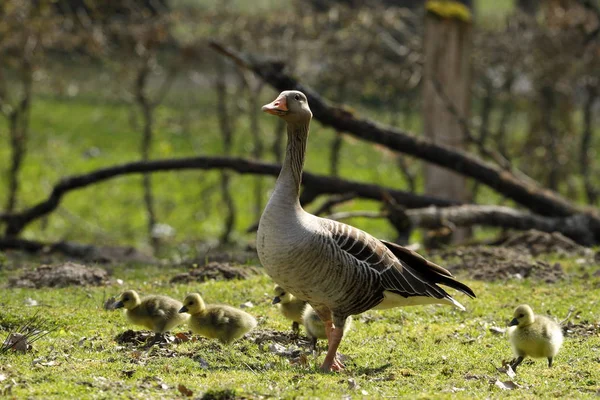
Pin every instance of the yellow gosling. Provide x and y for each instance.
(533, 335)
(290, 306)
(216, 321)
(160, 314)
(315, 327)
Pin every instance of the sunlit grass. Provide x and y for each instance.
(428, 352)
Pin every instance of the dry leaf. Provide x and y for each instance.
(203, 363)
(506, 385)
(182, 337)
(497, 330)
(16, 342)
(128, 372)
(31, 302)
(3, 377)
(301, 360)
(184, 390)
(352, 385)
(276, 348)
(39, 362)
(247, 304)
(507, 369)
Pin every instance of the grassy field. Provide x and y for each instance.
(419, 352)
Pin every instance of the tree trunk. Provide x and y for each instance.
(226, 126)
(447, 46)
(529, 7)
(147, 110)
(18, 122)
(585, 164)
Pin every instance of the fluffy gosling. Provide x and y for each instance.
(216, 321)
(290, 306)
(533, 335)
(158, 313)
(315, 327)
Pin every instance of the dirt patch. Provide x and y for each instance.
(282, 343)
(134, 337)
(144, 337)
(260, 336)
(537, 243)
(583, 329)
(61, 275)
(216, 271)
(498, 263)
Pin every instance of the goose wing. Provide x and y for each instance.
(401, 270)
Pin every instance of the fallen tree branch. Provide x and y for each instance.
(528, 194)
(314, 184)
(576, 227)
(86, 252)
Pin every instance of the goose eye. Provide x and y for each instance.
(125, 298)
(521, 315)
(297, 97)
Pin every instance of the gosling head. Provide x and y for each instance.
(281, 296)
(129, 299)
(291, 105)
(192, 304)
(522, 316)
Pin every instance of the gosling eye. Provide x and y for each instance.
(297, 97)
(521, 315)
(125, 298)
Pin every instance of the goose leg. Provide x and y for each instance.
(158, 337)
(313, 344)
(334, 337)
(295, 327)
(516, 363)
(549, 362)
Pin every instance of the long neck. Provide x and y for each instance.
(287, 188)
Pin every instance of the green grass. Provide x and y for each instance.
(418, 352)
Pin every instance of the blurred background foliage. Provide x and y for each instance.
(89, 84)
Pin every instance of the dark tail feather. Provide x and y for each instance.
(454, 284)
(427, 269)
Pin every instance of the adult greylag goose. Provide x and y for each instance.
(533, 335)
(290, 307)
(338, 269)
(160, 314)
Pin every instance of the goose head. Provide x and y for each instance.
(193, 304)
(281, 296)
(129, 300)
(291, 105)
(522, 316)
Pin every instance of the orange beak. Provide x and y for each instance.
(277, 106)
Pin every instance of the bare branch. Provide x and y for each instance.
(529, 194)
(319, 184)
(575, 227)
